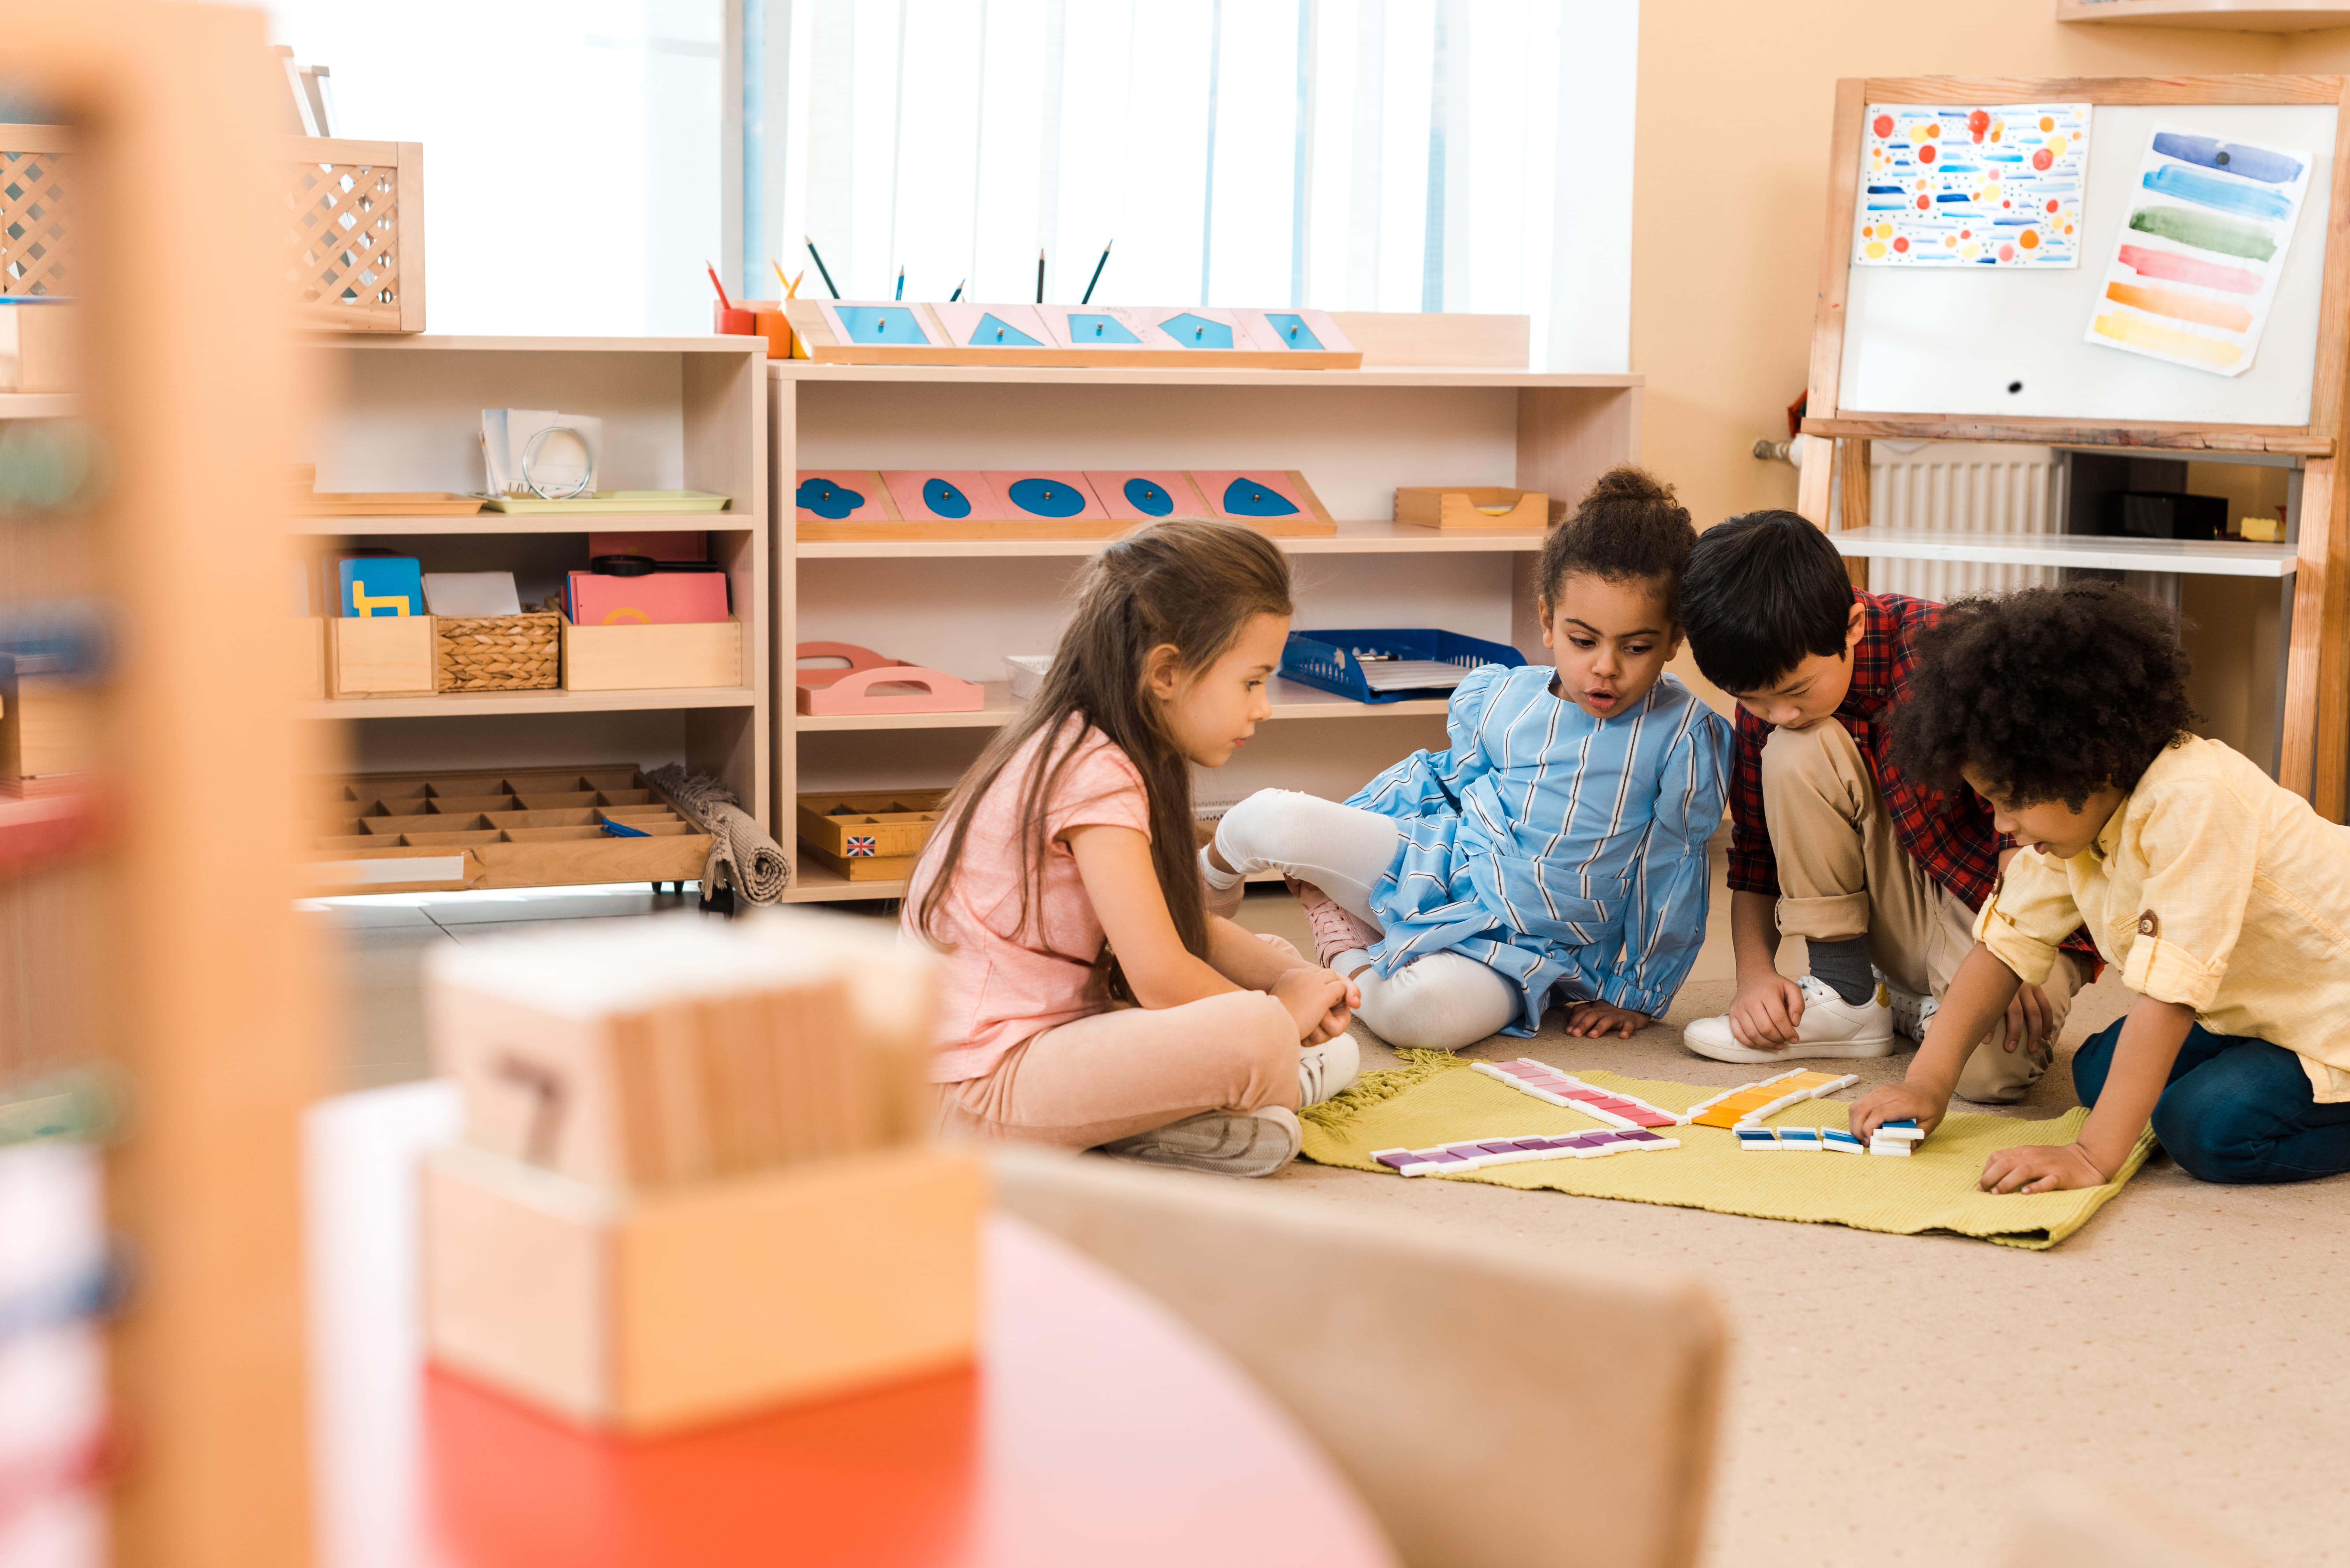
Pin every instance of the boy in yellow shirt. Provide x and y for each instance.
(2223, 898)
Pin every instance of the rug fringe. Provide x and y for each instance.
(1337, 1113)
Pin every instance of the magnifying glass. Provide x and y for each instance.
(556, 464)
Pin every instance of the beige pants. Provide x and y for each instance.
(1096, 1080)
(1842, 871)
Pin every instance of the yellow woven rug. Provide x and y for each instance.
(1435, 1098)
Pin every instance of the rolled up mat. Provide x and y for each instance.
(741, 856)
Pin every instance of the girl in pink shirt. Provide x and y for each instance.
(1070, 839)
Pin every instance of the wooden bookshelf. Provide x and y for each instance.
(678, 412)
(1358, 435)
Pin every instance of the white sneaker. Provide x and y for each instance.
(1911, 1012)
(1226, 1143)
(1832, 1027)
(1323, 1070)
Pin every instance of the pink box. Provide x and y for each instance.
(661, 598)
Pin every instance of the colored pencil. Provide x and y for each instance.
(792, 289)
(901, 285)
(724, 303)
(1088, 299)
(822, 270)
(779, 276)
(957, 293)
(1040, 274)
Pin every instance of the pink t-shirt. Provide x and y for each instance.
(1006, 980)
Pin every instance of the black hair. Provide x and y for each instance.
(1627, 529)
(1764, 590)
(2044, 694)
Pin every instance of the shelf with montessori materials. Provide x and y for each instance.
(678, 413)
(1439, 401)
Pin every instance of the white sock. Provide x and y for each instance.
(1350, 963)
(1221, 880)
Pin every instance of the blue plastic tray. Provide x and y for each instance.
(1327, 659)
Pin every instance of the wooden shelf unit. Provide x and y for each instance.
(678, 412)
(961, 606)
(2233, 16)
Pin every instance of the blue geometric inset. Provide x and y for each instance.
(1046, 497)
(944, 500)
(1147, 498)
(825, 499)
(1196, 331)
(992, 331)
(1246, 498)
(1294, 333)
(880, 324)
(1098, 329)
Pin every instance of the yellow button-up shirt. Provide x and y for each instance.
(2211, 887)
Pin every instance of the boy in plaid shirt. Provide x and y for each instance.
(1829, 842)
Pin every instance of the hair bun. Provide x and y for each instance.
(1628, 482)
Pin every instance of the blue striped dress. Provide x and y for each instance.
(1559, 849)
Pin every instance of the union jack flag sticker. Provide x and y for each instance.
(858, 847)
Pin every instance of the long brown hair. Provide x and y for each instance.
(1190, 584)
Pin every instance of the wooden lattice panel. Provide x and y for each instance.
(355, 224)
(33, 190)
(354, 235)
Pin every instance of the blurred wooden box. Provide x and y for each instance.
(1466, 507)
(40, 347)
(305, 640)
(647, 1312)
(373, 656)
(644, 658)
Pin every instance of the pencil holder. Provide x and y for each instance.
(733, 321)
(497, 652)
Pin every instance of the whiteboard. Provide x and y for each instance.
(1951, 341)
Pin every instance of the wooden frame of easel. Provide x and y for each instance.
(2315, 751)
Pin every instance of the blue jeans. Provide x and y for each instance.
(2236, 1109)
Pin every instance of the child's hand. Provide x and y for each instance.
(1766, 1012)
(1893, 1102)
(2041, 1168)
(1595, 1020)
(1320, 1004)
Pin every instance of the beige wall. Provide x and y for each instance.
(1730, 208)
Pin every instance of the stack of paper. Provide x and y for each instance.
(1411, 674)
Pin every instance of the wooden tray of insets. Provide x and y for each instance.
(514, 827)
(870, 838)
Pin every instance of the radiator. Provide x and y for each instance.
(1962, 487)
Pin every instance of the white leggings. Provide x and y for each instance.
(1437, 1002)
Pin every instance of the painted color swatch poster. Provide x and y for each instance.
(1983, 185)
(2196, 264)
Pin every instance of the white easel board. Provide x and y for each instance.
(1952, 340)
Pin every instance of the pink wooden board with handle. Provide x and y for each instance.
(907, 488)
(1110, 489)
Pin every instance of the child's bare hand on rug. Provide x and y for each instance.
(1597, 1020)
(1766, 1012)
(1893, 1102)
(1320, 1003)
(2041, 1168)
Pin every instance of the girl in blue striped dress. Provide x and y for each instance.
(1557, 848)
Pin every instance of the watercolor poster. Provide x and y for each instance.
(1982, 185)
(2196, 264)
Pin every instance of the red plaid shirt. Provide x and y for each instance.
(1950, 835)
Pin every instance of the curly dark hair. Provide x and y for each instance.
(2044, 693)
(1629, 528)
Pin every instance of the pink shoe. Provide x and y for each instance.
(1336, 929)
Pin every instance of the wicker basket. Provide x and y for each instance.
(497, 652)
